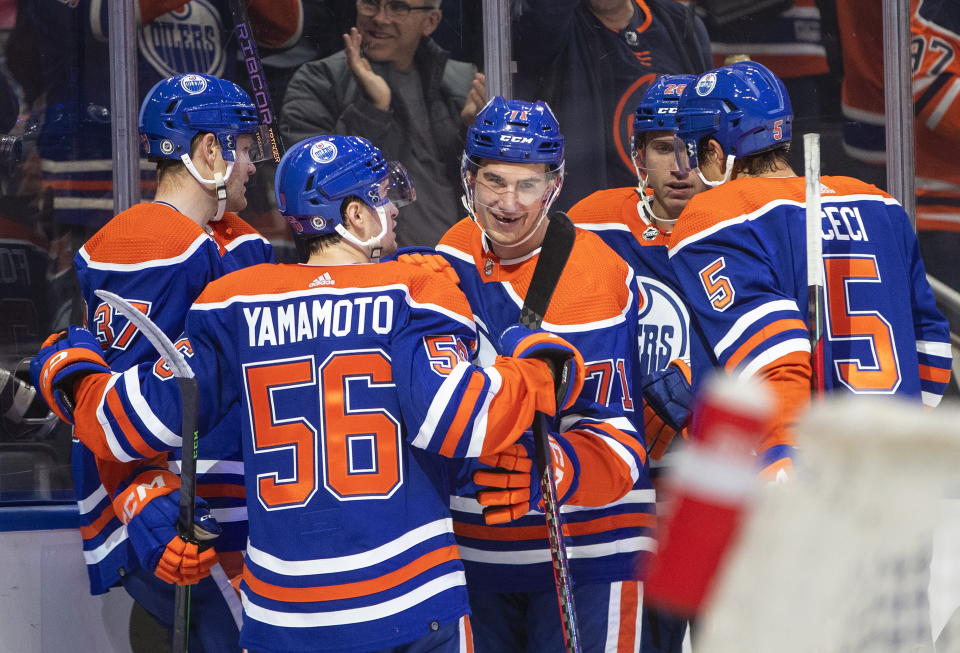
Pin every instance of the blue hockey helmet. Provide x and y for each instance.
(657, 110)
(516, 131)
(178, 108)
(317, 174)
(744, 106)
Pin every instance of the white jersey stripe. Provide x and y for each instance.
(930, 348)
(131, 383)
(479, 433)
(440, 402)
(746, 320)
(360, 560)
(612, 643)
(116, 538)
(337, 618)
(773, 353)
(92, 500)
(533, 556)
(108, 433)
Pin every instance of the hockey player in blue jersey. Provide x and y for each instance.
(636, 222)
(351, 379)
(739, 253)
(512, 172)
(159, 255)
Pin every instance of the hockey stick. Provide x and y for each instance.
(815, 298)
(258, 79)
(554, 252)
(188, 431)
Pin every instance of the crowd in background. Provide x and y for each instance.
(408, 76)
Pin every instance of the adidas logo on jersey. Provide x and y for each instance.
(323, 280)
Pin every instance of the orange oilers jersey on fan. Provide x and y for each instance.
(610, 517)
(346, 376)
(935, 62)
(935, 52)
(159, 260)
(739, 253)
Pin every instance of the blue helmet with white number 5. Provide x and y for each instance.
(318, 174)
(744, 106)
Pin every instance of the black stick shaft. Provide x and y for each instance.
(188, 504)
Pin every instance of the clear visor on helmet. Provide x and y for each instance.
(396, 186)
(685, 155)
(655, 152)
(505, 186)
(253, 147)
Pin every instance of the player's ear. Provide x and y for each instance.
(353, 217)
(714, 153)
(206, 149)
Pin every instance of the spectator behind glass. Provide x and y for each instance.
(592, 60)
(393, 85)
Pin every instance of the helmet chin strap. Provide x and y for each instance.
(726, 173)
(218, 183)
(375, 249)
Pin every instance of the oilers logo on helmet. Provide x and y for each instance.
(323, 152)
(188, 38)
(664, 332)
(193, 84)
(706, 84)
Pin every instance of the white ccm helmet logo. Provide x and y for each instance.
(504, 138)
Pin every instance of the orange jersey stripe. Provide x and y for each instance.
(423, 286)
(77, 184)
(467, 405)
(351, 590)
(935, 374)
(761, 336)
(129, 432)
(629, 604)
(86, 425)
(207, 490)
(93, 529)
(518, 533)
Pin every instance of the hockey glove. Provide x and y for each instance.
(433, 263)
(64, 358)
(512, 483)
(564, 359)
(668, 401)
(150, 506)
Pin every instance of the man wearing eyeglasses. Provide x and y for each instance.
(393, 85)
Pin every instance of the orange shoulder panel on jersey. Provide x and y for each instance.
(745, 196)
(618, 206)
(273, 279)
(593, 285)
(144, 232)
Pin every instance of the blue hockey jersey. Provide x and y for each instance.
(159, 260)
(342, 373)
(594, 307)
(739, 253)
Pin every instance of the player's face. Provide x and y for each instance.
(392, 37)
(388, 243)
(671, 188)
(509, 199)
(242, 170)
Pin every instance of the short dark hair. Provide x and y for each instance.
(756, 163)
(316, 244)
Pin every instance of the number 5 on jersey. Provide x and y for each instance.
(719, 290)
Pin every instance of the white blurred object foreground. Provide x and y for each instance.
(839, 559)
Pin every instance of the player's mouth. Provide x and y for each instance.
(678, 188)
(377, 35)
(511, 218)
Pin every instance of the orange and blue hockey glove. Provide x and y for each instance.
(564, 359)
(511, 485)
(64, 358)
(150, 506)
(668, 400)
(429, 260)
